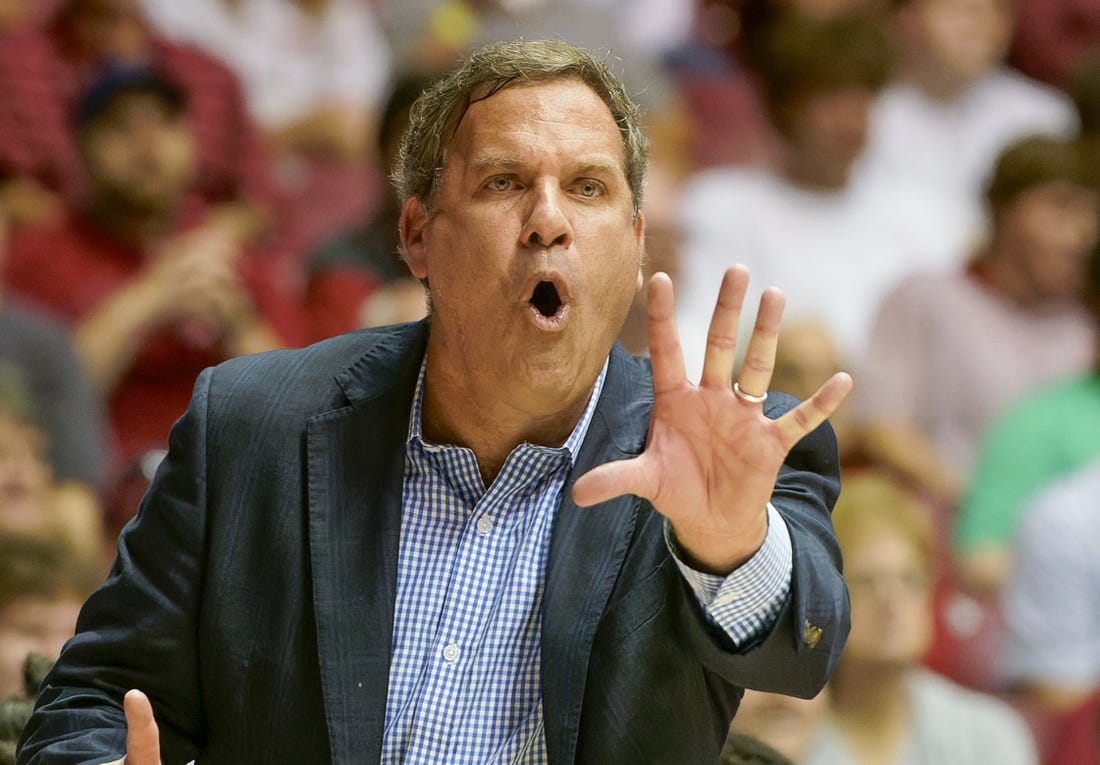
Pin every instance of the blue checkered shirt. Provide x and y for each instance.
(464, 671)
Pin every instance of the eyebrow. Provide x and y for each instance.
(483, 162)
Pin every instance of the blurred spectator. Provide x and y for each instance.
(155, 289)
(17, 14)
(313, 72)
(43, 75)
(954, 105)
(1052, 37)
(36, 157)
(950, 350)
(835, 240)
(1079, 739)
(1049, 433)
(807, 353)
(42, 587)
(32, 503)
(1052, 613)
(1084, 89)
(786, 724)
(357, 277)
(714, 73)
(432, 33)
(16, 710)
(742, 749)
(41, 350)
(883, 707)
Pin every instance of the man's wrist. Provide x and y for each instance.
(710, 553)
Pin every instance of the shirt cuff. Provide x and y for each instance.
(746, 603)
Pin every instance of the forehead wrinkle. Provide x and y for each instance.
(493, 160)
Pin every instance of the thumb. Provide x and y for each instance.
(142, 736)
(613, 479)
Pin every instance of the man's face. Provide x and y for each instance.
(827, 131)
(891, 599)
(13, 13)
(532, 252)
(24, 476)
(965, 37)
(139, 153)
(1048, 231)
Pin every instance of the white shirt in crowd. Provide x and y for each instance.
(289, 63)
(834, 254)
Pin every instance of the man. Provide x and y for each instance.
(1053, 580)
(1037, 440)
(233, 172)
(64, 402)
(319, 573)
(835, 238)
(356, 277)
(954, 104)
(43, 581)
(1008, 323)
(153, 284)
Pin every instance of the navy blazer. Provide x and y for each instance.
(252, 597)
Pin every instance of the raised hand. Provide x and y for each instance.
(712, 457)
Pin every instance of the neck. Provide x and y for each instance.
(811, 175)
(129, 226)
(870, 706)
(871, 690)
(997, 269)
(937, 83)
(460, 409)
(314, 8)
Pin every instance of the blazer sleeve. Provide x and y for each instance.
(799, 654)
(138, 630)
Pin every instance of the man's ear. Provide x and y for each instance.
(414, 221)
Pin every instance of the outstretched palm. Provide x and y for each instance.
(712, 457)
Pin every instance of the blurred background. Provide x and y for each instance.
(182, 182)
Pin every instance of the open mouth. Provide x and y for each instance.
(546, 299)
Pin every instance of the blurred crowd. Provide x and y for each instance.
(182, 182)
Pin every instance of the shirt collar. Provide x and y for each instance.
(572, 444)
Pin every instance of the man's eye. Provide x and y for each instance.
(588, 188)
(499, 183)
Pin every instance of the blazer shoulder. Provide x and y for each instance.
(327, 375)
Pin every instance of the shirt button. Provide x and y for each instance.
(484, 525)
(450, 653)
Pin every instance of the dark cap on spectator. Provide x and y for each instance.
(118, 80)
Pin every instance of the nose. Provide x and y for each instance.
(547, 225)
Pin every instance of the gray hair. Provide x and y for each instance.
(436, 114)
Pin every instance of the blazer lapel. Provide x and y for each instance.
(356, 461)
(586, 552)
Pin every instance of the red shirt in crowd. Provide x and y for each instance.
(72, 268)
